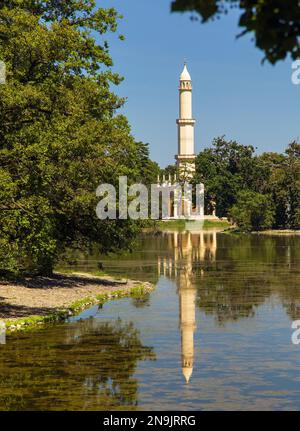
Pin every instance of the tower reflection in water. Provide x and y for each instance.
(189, 250)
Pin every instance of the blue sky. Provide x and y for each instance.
(234, 94)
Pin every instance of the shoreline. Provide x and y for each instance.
(268, 232)
(35, 301)
(224, 227)
(278, 232)
(180, 225)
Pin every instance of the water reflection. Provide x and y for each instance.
(85, 365)
(229, 282)
(189, 249)
(243, 291)
(226, 277)
(187, 311)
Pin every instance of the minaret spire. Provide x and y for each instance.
(186, 145)
(185, 76)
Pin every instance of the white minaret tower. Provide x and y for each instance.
(186, 145)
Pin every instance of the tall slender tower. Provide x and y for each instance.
(186, 145)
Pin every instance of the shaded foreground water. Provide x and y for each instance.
(220, 318)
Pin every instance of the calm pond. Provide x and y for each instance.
(215, 333)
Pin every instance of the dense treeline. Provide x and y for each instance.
(60, 136)
(255, 191)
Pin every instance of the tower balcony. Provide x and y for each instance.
(185, 86)
(185, 121)
(185, 157)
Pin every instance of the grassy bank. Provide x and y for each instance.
(278, 232)
(55, 299)
(181, 224)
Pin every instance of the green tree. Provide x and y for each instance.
(282, 180)
(292, 182)
(169, 170)
(60, 136)
(228, 167)
(225, 168)
(273, 23)
(252, 211)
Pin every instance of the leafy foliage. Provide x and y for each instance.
(60, 136)
(253, 211)
(233, 173)
(275, 24)
(224, 169)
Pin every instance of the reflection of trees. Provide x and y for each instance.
(231, 300)
(234, 274)
(82, 366)
(138, 264)
(249, 269)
